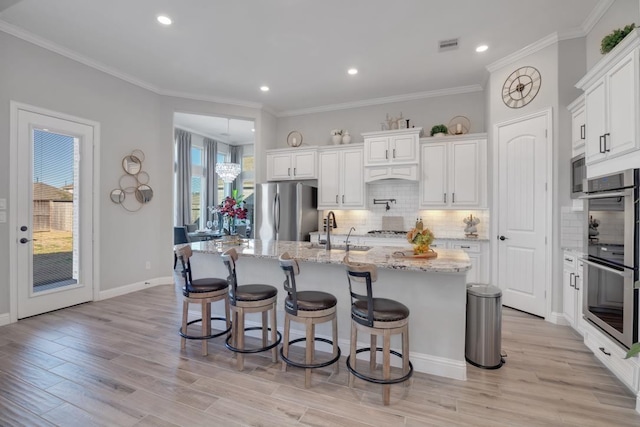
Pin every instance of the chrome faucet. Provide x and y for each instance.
(329, 226)
(348, 236)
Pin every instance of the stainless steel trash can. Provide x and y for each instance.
(483, 344)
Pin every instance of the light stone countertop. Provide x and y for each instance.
(451, 236)
(448, 260)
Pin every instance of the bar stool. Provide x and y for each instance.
(255, 298)
(204, 292)
(310, 308)
(376, 316)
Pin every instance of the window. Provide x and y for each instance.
(222, 157)
(197, 186)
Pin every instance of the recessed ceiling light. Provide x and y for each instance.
(352, 71)
(253, 129)
(164, 20)
(482, 48)
(264, 88)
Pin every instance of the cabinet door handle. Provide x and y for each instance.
(453, 197)
(583, 131)
(606, 150)
(571, 280)
(343, 198)
(336, 198)
(294, 171)
(394, 153)
(568, 259)
(386, 154)
(288, 171)
(601, 149)
(575, 282)
(465, 247)
(602, 349)
(445, 198)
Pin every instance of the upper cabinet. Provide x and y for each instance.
(391, 154)
(453, 172)
(340, 178)
(611, 104)
(291, 164)
(578, 126)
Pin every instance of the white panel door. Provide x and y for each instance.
(403, 148)
(304, 165)
(328, 179)
(569, 295)
(352, 177)
(433, 174)
(278, 166)
(622, 90)
(465, 182)
(376, 150)
(54, 245)
(595, 121)
(522, 214)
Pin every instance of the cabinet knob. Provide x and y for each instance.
(502, 238)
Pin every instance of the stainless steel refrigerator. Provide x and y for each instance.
(285, 211)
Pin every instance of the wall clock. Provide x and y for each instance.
(521, 87)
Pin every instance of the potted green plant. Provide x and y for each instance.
(634, 350)
(439, 130)
(611, 40)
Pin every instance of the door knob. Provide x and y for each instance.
(502, 238)
(24, 240)
(23, 228)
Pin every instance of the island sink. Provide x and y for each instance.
(352, 248)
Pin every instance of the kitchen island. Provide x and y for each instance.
(433, 289)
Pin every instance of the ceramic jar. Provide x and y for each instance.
(337, 139)
(346, 138)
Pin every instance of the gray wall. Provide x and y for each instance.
(316, 127)
(621, 13)
(130, 117)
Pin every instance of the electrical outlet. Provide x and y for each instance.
(3, 216)
(147, 265)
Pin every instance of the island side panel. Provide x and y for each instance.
(437, 302)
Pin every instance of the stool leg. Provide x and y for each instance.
(372, 355)
(265, 328)
(352, 355)
(227, 314)
(308, 351)
(405, 352)
(206, 324)
(185, 316)
(334, 321)
(386, 365)
(240, 336)
(234, 330)
(285, 344)
(274, 333)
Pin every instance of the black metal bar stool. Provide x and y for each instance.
(376, 316)
(310, 308)
(204, 292)
(255, 298)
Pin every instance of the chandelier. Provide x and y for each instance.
(228, 171)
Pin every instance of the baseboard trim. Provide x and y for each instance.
(134, 287)
(557, 319)
(424, 363)
(5, 319)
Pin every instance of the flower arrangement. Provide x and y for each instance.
(336, 132)
(232, 209)
(421, 238)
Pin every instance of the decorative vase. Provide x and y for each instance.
(346, 138)
(337, 139)
(439, 134)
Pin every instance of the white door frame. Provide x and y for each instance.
(14, 107)
(548, 113)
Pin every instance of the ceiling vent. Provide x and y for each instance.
(445, 45)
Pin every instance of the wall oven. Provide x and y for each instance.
(610, 294)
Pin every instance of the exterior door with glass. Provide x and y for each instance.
(53, 177)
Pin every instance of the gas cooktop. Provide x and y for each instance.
(386, 233)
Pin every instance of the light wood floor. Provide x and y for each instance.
(118, 363)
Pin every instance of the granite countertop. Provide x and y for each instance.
(440, 236)
(448, 260)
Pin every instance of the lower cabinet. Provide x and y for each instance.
(572, 290)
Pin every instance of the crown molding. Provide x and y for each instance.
(595, 15)
(216, 99)
(380, 101)
(524, 52)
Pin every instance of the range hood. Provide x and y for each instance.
(377, 173)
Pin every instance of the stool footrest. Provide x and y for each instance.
(253, 350)
(312, 365)
(379, 380)
(206, 337)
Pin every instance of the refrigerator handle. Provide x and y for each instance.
(276, 212)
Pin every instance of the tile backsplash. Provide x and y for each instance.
(572, 229)
(441, 222)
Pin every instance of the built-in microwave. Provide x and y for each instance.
(578, 174)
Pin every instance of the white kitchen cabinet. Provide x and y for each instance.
(578, 126)
(391, 154)
(478, 254)
(453, 173)
(340, 178)
(611, 109)
(572, 290)
(294, 164)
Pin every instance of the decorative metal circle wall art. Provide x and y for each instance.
(134, 190)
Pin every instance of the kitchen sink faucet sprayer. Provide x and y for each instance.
(329, 226)
(349, 236)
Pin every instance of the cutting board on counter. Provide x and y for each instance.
(393, 223)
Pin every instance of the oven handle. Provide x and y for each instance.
(624, 273)
(605, 195)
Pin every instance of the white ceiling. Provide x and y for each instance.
(225, 50)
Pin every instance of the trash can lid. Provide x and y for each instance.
(483, 290)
